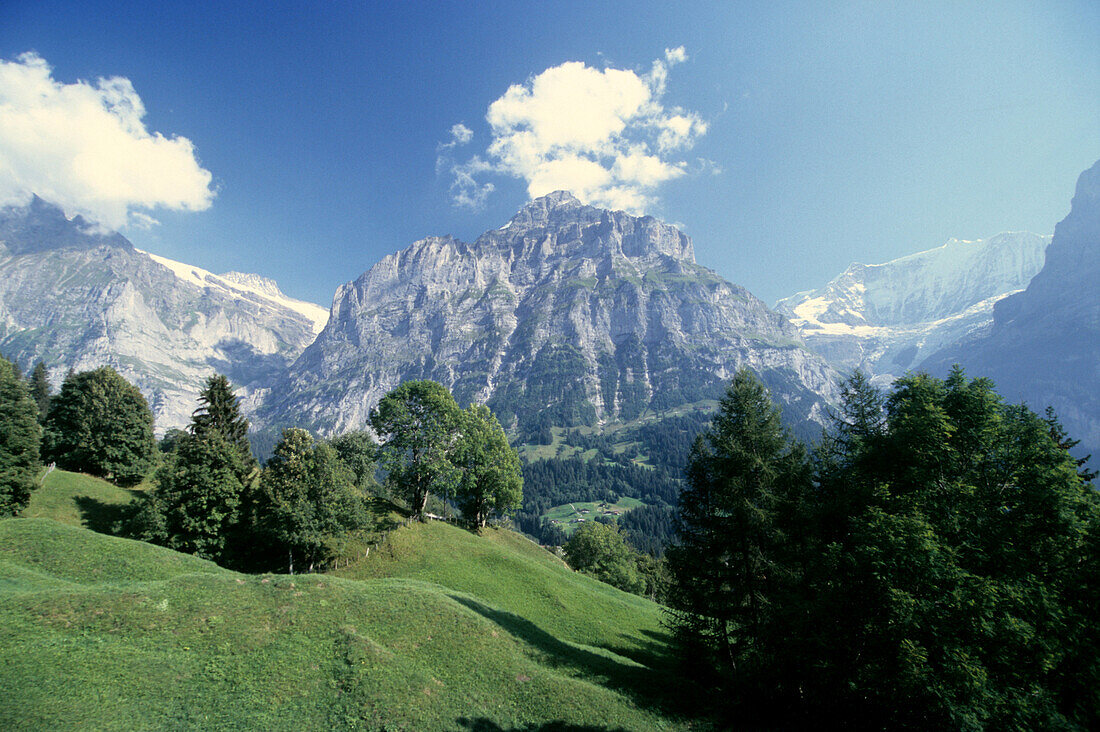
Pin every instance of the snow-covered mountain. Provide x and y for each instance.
(1043, 346)
(568, 315)
(79, 298)
(887, 318)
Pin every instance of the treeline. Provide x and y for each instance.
(210, 497)
(933, 563)
(612, 475)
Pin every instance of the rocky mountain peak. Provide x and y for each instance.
(256, 282)
(40, 226)
(544, 209)
(569, 315)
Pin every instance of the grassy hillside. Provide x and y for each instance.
(98, 632)
(79, 500)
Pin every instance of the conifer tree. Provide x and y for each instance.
(19, 439)
(200, 495)
(219, 411)
(204, 487)
(728, 563)
(940, 573)
(40, 389)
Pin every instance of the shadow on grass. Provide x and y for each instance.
(105, 518)
(656, 687)
(481, 724)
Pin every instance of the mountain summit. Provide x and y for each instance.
(1044, 343)
(568, 315)
(887, 318)
(78, 297)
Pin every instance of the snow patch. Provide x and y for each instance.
(238, 284)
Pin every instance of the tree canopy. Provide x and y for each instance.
(418, 423)
(932, 565)
(491, 482)
(600, 550)
(19, 438)
(100, 424)
(307, 501)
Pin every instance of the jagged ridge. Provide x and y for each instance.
(567, 315)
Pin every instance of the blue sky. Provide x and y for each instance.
(305, 141)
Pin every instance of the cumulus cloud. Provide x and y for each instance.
(85, 147)
(603, 134)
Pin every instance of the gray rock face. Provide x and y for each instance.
(887, 318)
(1044, 344)
(568, 315)
(80, 299)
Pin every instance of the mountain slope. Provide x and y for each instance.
(163, 640)
(887, 318)
(568, 315)
(78, 298)
(1044, 344)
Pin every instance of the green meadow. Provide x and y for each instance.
(571, 516)
(436, 628)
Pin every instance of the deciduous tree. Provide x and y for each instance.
(418, 424)
(307, 500)
(491, 482)
(100, 424)
(600, 550)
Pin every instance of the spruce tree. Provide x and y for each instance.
(40, 389)
(728, 563)
(200, 495)
(219, 411)
(205, 486)
(19, 439)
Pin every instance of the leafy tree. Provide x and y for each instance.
(170, 441)
(418, 424)
(199, 493)
(600, 550)
(491, 482)
(359, 453)
(100, 424)
(40, 389)
(19, 438)
(307, 501)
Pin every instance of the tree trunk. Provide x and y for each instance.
(290, 565)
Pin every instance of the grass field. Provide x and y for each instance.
(80, 500)
(572, 516)
(436, 629)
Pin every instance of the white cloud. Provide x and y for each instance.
(86, 148)
(675, 55)
(604, 135)
(461, 134)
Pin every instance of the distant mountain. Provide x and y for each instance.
(1044, 343)
(568, 315)
(80, 298)
(887, 318)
